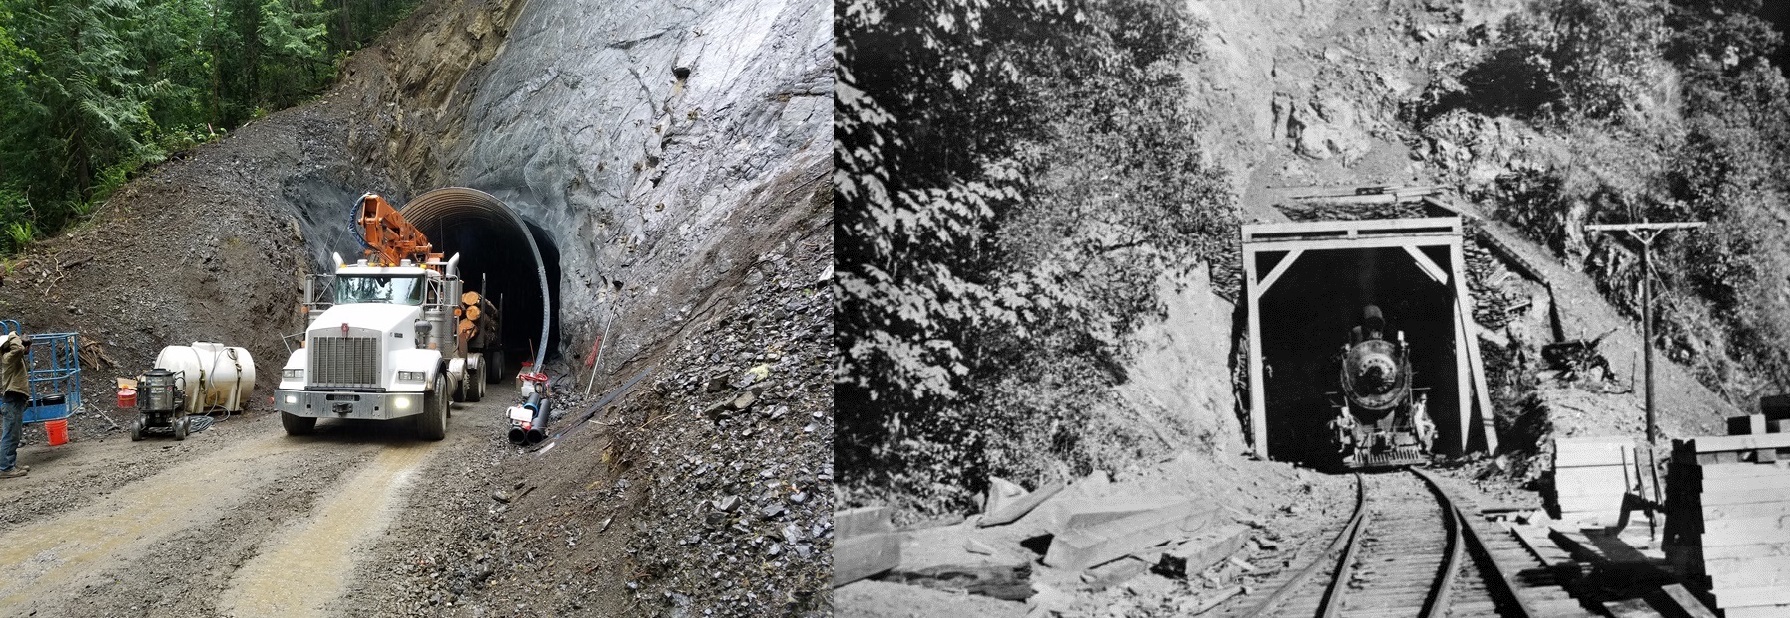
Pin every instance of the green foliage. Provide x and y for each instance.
(94, 90)
(1565, 60)
(1015, 177)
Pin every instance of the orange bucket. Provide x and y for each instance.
(58, 430)
(127, 398)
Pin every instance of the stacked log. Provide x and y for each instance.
(477, 319)
(1728, 517)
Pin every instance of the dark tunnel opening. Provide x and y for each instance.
(498, 260)
(1306, 317)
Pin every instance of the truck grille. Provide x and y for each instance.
(344, 362)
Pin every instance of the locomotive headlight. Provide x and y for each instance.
(412, 376)
(401, 403)
(293, 374)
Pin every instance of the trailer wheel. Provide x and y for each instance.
(297, 425)
(137, 429)
(180, 428)
(475, 384)
(432, 423)
(494, 366)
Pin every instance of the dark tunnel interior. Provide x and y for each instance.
(495, 259)
(1305, 321)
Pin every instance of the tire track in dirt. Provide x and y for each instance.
(55, 554)
(296, 575)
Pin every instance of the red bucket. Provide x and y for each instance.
(127, 398)
(58, 430)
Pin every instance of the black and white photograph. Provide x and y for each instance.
(1312, 308)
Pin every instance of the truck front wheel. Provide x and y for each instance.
(297, 425)
(432, 423)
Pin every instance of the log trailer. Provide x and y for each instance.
(388, 336)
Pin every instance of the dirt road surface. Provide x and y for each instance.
(238, 520)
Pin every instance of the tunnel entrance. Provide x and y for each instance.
(1307, 285)
(512, 262)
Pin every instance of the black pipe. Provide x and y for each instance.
(534, 430)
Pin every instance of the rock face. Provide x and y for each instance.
(660, 146)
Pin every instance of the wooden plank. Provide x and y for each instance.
(1751, 578)
(1462, 338)
(1738, 511)
(1744, 537)
(1080, 549)
(863, 556)
(1570, 453)
(1725, 566)
(1093, 512)
(1206, 549)
(1712, 444)
(1022, 505)
(1728, 470)
(862, 521)
(1256, 231)
(1631, 608)
(1758, 611)
(1745, 597)
(1365, 242)
(1720, 498)
(1482, 391)
(1676, 602)
(1777, 485)
(1429, 267)
(1258, 407)
(1590, 476)
(1753, 551)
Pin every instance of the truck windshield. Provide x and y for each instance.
(379, 289)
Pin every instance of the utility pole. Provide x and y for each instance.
(1645, 233)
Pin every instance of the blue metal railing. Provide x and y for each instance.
(55, 374)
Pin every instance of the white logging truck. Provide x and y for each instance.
(390, 336)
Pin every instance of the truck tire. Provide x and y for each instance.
(297, 425)
(494, 366)
(473, 385)
(432, 423)
(479, 385)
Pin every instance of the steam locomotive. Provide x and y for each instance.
(1381, 418)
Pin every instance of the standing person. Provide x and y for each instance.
(14, 389)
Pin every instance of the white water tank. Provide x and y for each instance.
(216, 375)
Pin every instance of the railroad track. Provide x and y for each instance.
(1407, 550)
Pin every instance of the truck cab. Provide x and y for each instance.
(381, 344)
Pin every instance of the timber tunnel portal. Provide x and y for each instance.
(513, 262)
(1307, 285)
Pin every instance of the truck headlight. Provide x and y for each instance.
(412, 376)
(291, 398)
(401, 403)
(293, 374)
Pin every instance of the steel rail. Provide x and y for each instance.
(1502, 584)
(1349, 532)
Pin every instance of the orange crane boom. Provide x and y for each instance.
(389, 237)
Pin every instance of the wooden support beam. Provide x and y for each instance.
(1080, 549)
(1258, 409)
(1680, 603)
(1374, 242)
(1280, 268)
(1428, 266)
(860, 557)
(1463, 384)
(1482, 392)
(1737, 443)
(1644, 227)
(863, 521)
(1020, 506)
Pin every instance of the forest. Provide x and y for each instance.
(96, 90)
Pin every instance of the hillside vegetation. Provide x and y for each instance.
(94, 90)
